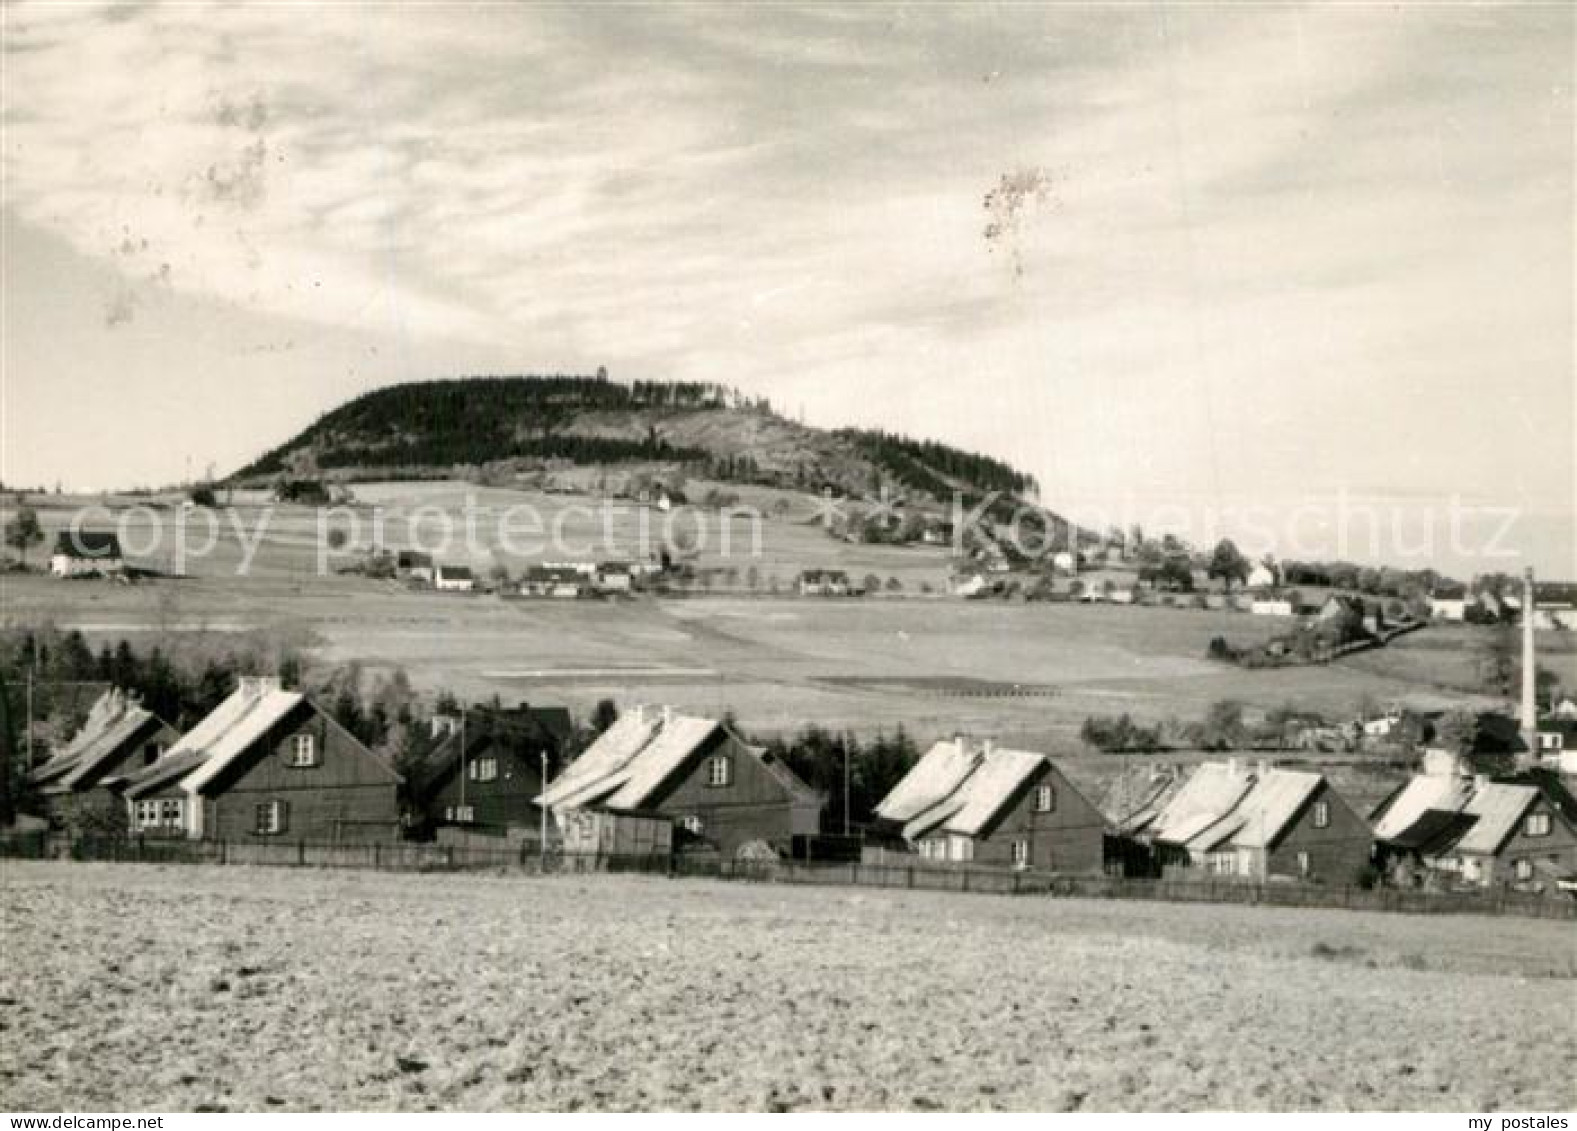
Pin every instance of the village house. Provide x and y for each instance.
(1261, 577)
(1270, 607)
(484, 775)
(969, 584)
(1449, 602)
(1466, 830)
(967, 802)
(615, 577)
(87, 553)
(79, 785)
(824, 583)
(413, 565)
(560, 581)
(453, 579)
(722, 792)
(1228, 820)
(266, 764)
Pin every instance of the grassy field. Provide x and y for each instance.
(252, 990)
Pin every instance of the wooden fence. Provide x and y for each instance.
(525, 858)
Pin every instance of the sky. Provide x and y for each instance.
(1185, 263)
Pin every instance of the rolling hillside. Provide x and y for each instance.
(432, 427)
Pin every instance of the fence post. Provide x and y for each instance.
(224, 852)
(377, 856)
(301, 853)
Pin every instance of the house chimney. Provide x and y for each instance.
(1263, 767)
(1530, 719)
(1480, 782)
(640, 714)
(1233, 767)
(987, 746)
(668, 714)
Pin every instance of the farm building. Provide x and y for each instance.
(87, 553)
(1262, 576)
(554, 581)
(825, 583)
(79, 783)
(1448, 602)
(615, 577)
(1472, 831)
(1271, 607)
(266, 763)
(453, 579)
(484, 777)
(1228, 820)
(413, 565)
(698, 773)
(980, 803)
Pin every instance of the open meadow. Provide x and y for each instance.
(184, 987)
(1025, 673)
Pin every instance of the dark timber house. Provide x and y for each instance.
(267, 764)
(983, 804)
(80, 785)
(724, 793)
(484, 776)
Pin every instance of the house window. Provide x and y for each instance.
(1322, 814)
(1524, 869)
(170, 812)
(271, 818)
(484, 769)
(465, 814)
(151, 753)
(1045, 799)
(1020, 853)
(1537, 824)
(1304, 865)
(692, 824)
(303, 751)
(718, 770)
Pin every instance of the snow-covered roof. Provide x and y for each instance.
(1498, 809)
(1277, 797)
(940, 771)
(1211, 792)
(257, 716)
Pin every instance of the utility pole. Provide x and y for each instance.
(462, 764)
(845, 785)
(543, 848)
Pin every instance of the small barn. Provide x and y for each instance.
(453, 579)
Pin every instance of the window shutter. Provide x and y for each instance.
(284, 816)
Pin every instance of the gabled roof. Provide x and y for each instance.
(940, 771)
(509, 728)
(600, 762)
(266, 711)
(628, 766)
(95, 544)
(455, 572)
(112, 721)
(1211, 792)
(1424, 792)
(1277, 798)
(170, 768)
(1498, 808)
(108, 746)
(959, 788)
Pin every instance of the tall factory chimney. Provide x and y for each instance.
(1530, 710)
